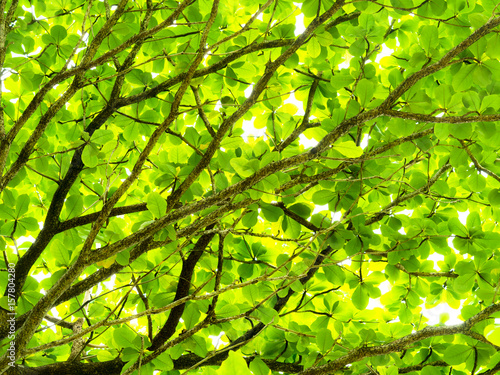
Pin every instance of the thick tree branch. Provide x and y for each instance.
(182, 290)
(426, 274)
(401, 343)
(420, 117)
(90, 218)
(405, 370)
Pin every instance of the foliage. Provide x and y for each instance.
(151, 229)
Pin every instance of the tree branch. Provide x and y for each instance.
(305, 121)
(420, 117)
(478, 166)
(426, 274)
(182, 290)
(401, 343)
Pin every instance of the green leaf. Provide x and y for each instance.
(460, 131)
(493, 49)
(443, 94)
(438, 7)
(464, 283)
(482, 76)
(348, 149)
(494, 197)
(492, 333)
(245, 72)
(156, 204)
(301, 209)
(7, 212)
(61, 252)
(191, 315)
(164, 361)
(401, 127)
(461, 80)
(7, 228)
(457, 354)
(442, 131)
(29, 223)
(89, 156)
(476, 182)
(124, 337)
(324, 340)
(456, 227)
(227, 311)
(405, 315)
(291, 227)
(130, 354)
(314, 48)
(353, 246)
(123, 258)
(267, 315)
(231, 143)
(271, 213)
(323, 197)
(22, 205)
(242, 167)
(258, 367)
(310, 8)
(73, 206)
(325, 39)
(490, 101)
(245, 270)
(234, 363)
(162, 299)
(341, 80)
(360, 297)
(131, 132)
(199, 345)
(358, 47)
(101, 136)
(250, 219)
(364, 91)
(59, 33)
(138, 77)
(429, 37)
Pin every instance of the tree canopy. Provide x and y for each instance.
(161, 211)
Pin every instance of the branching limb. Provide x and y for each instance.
(297, 218)
(478, 166)
(426, 274)
(258, 88)
(182, 290)
(201, 112)
(402, 343)
(443, 62)
(387, 209)
(420, 117)
(405, 370)
(305, 122)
